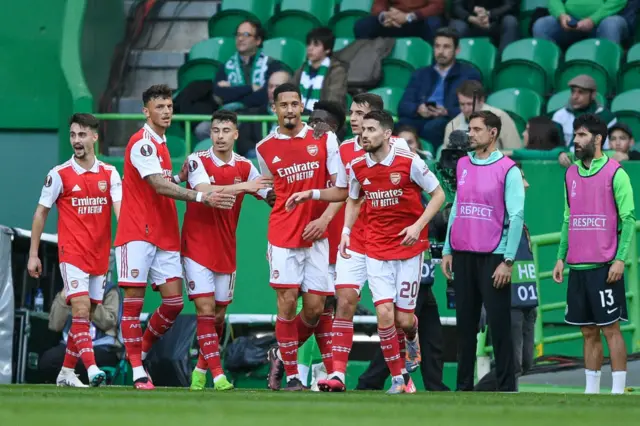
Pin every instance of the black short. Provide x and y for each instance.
(591, 301)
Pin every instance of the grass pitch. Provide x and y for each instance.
(118, 406)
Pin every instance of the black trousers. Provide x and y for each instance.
(431, 347)
(51, 361)
(473, 283)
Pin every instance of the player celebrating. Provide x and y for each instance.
(392, 181)
(84, 189)
(209, 241)
(297, 161)
(148, 238)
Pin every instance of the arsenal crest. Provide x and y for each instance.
(395, 178)
(312, 150)
(74, 284)
(275, 274)
(102, 185)
(192, 285)
(135, 273)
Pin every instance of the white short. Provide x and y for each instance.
(352, 272)
(332, 275)
(79, 283)
(305, 268)
(139, 261)
(203, 282)
(396, 281)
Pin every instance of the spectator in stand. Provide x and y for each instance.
(401, 18)
(509, 137)
(621, 141)
(575, 20)
(486, 18)
(322, 77)
(430, 100)
(410, 135)
(542, 140)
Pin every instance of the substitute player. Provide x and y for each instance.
(599, 222)
(84, 190)
(148, 239)
(297, 161)
(209, 241)
(392, 180)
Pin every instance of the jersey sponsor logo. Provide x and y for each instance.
(89, 205)
(384, 198)
(193, 165)
(48, 181)
(312, 150)
(76, 188)
(475, 211)
(395, 178)
(299, 171)
(212, 179)
(589, 222)
(102, 185)
(135, 273)
(275, 160)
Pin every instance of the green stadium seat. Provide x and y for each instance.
(480, 53)
(560, 100)
(629, 76)
(521, 104)
(598, 58)
(297, 17)
(408, 54)
(350, 11)
(627, 109)
(529, 63)
(203, 145)
(341, 43)
(218, 48)
(290, 52)
(198, 69)
(233, 12)
(527, 8)
(391, 97)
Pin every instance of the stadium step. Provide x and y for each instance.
(193, 10)
(156, 59)
(142, 78)
(176, 35)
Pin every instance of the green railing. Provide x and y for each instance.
(633, 298)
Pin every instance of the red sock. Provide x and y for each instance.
(323, 338)
(161, 321)
(82, 340)
(71, 354)
(220, 330)
(391, 349)
(342, 342)
(131, 331)
(287, 337)
(402, 344)
(208, 342)
(304, 330)
(202, 363)
(411, 334)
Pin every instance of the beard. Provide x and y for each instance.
(587, 152)
(289, 125)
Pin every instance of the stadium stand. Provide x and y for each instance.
(233, 12)
(480, 53)
(297, 17)
(408, 54)
(350, 11)
(521, 104)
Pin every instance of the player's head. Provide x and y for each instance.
(484, 129)
(589, 134)
(376, 130)
(287, 105)
(329, 112)
(362, 104)
(158, 105)
(83, 134)
(224, 130)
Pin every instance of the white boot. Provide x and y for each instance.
(318, 372)
(68, 378)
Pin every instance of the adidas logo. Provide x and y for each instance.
(366, 182)
(76, 189)
(275, 160)
(211, 179)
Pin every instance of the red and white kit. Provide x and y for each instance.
(352, 272)
(392, 190)
(208, 234)
(84, 199)
(148, 237)
(298, 164)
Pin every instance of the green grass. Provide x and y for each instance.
(115, 406)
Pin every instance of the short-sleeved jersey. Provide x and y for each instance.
(146, 215)
(297, 164)
(84, 199)
(209, 234)
(350, 150)
(392, 190)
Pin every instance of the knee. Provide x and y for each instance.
(591, 334)
(312, 309)
(543, 27)
(509, 22)
(219, 315)
(366, 27)
(205, 306)
(81, 307)
(459, 26)
(347, 303)
(384, 312)
(287, 303)
(612, 26)
(610, 331)
(404, 320)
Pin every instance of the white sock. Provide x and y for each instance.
(93, 370)
(67, 370)
(279, 355)
(593, 381)
(138, 373)
(200, 370)
(404, 371)
(293, 376)
(303, 370)
(339, 375)
(218, 377)
(143, 355)
(398, 378)
(619, 381)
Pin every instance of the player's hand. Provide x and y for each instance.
(502, 275)
(615, 272)
(314, 229)
(585, 25)
(184, 171)
(411, 235)
(297, 198)
(256, 185)
(564, 159)
(219, 200)
(564, 20)
(271, 198)
(320, 129)
(224, 83)
(345, 242)
(447, 266)
(558, 272)
(34, 266)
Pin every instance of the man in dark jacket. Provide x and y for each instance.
(430, 101)
(486, 18)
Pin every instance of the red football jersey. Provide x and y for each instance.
(146, 215)
(84, 199)
(208, 234)
(297, 164)
(392, 190)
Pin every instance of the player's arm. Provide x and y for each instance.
(623, 194)
(354, 202)
(116, 192)
(514, 202)
(49, 195)
(267, 194)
